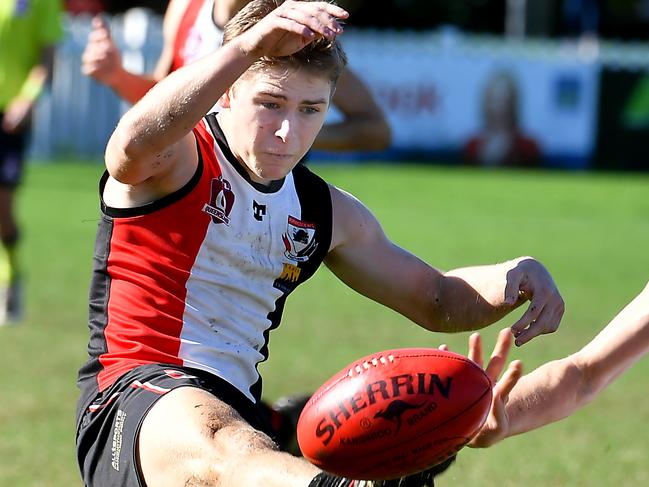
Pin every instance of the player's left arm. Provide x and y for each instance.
(463, 299)
(364, 126)
(557, 389)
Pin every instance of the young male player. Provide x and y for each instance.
(28, 32)
(208, 224)
(193, 29)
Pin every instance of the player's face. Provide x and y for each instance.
(272, 118)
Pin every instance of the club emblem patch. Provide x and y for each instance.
(299, 241)
(221, 201)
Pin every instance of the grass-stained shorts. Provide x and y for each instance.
(107, 430)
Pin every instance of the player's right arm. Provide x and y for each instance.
(152, 151)
(557, 389)
(102, 60)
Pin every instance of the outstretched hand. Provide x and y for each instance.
(291, 26)
(530, 280)
(496, 426)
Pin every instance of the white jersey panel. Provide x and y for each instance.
(230, 291)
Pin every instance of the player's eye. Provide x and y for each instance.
(310, 110)
(270, 105)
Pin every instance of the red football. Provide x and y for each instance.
(394, 413)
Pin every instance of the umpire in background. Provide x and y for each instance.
(28, 31)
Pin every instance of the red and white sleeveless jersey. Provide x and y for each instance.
(199, 277)
(197, 34)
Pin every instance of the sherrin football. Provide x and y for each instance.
(394, 413)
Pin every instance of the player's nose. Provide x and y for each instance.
(283, 130)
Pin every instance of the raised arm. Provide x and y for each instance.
(155, 134)
(364, 126)
(559, 388)
(463, 299)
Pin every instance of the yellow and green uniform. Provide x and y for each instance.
(26, 27)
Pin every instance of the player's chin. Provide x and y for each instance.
(277, 166)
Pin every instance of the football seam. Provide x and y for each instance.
(355, 365)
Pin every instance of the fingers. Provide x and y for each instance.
(499, 355)
(316, 18)
(541, 317)
(475, 348)
(546, 308)
(99, 24)
(509, 380)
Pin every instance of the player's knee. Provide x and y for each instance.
(233, 448)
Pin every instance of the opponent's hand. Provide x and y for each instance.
(530, 280)
(101, 59)
(290, 27)
(496, 426)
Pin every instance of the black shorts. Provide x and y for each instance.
(12, 152)
(107, 430)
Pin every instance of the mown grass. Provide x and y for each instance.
(591, 230)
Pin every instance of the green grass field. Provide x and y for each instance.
(592, 232)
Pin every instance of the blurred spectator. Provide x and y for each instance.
(501, 141)
(28, 31)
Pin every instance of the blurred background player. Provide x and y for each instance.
(28, 31)
(193, 29)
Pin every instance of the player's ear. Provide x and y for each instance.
(224, 101)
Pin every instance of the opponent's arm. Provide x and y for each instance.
(102, 60)
(559, 388)
(463, 299)
(364, 126)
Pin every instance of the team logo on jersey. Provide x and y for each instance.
(299, 240)
(221, 201)
(258, 210)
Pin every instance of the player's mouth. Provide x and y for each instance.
(280, 156)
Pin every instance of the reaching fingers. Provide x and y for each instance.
(499, 355)
(475, 348)
(509, 379)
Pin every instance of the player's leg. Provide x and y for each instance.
(166, 422)
(11, 162)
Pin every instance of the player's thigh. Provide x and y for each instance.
(189, 437)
